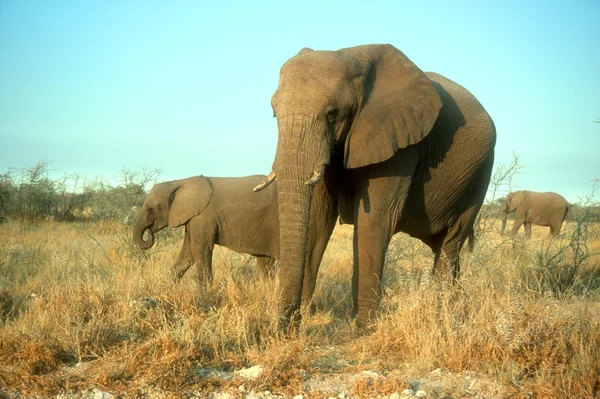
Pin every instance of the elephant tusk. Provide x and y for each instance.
(317, 176)
(272, 176)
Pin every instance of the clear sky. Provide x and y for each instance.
(185, 86)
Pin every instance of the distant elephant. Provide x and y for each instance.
(417, 154)
(225, 211)
(543, 209)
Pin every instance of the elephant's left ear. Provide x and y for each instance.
(400, 106)
(190, 198)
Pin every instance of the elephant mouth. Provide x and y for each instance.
(316, 177)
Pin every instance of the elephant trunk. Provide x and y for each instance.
(294, 211)
(299, 167)
(138, 234)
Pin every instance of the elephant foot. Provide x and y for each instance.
(178, 271)
(310, 308)
(363, 326)
(365, 321)
(289, 322)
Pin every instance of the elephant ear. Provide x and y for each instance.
(400, 106)
(190, 198)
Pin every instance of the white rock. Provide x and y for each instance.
(395, 395)
(342, 395)
(299, 397)
(420, 394)
(251, 372)
(407, 392)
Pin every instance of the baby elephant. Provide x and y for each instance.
(225, 211)
(543, 209)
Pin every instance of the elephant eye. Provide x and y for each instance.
(331, 115)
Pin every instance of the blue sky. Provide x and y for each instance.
(185, 86)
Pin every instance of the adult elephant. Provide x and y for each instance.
(417, 150)
(224, 211)
(530, 207)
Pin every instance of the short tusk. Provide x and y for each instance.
(272, 176)
(317, 176)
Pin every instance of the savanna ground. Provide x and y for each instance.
(82, 307)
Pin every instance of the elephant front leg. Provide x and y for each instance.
(204, 266)
(372, 234)
(517, 225)
(322, 222)
(528, 229)
(185, 259)
(378, 205)
(202, 236)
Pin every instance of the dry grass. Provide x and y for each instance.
(81, 306)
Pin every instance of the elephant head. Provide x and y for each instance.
(365, 102)
(511, 203)
(171, 204)
(513, 200)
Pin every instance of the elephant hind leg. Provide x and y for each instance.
(449, 243)
(554, 231)
(446, 263)
(471, 239)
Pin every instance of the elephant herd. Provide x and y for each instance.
(364, 136)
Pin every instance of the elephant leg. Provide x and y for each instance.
(517, 225)
(446, 266)
(378, 205)
(528, 229)
(503, 224)
(324, 217)
(372, 234)
(471, 240)
(265, 264)
(184, 260)
(203, 235)
(555, 227)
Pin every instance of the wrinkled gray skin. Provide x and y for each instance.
(225, 211)
(417, 152)
(543, 209)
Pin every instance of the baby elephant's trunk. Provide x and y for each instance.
(138, 235)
